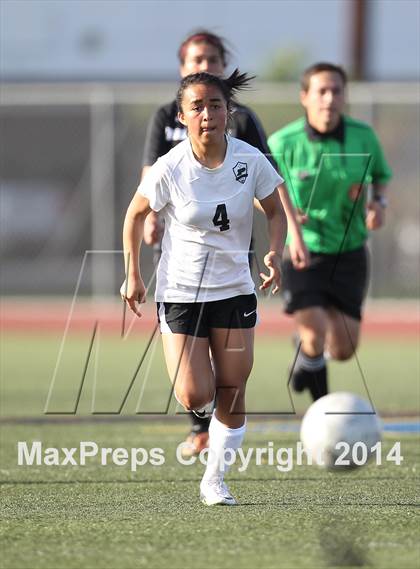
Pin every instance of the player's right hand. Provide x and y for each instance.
(153, 229)
(299, 253)
(132, 292)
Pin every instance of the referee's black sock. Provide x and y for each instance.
(199, 424)
(310, 373)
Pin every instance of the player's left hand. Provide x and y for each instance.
(375, 217)
(301, 216)
(272, 262)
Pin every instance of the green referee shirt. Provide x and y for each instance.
(327, 176)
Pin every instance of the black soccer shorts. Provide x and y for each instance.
(196, 318)
(338, 280)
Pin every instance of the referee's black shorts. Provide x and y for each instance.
(338, 280)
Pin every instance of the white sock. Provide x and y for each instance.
(221, 438)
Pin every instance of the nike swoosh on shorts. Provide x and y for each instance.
(249, 313)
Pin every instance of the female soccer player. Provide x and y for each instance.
(201, 51)
(204, 188)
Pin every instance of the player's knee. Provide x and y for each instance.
(342, 353)
(313, 343)
(194, 399)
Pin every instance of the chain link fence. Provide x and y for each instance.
(71, 160)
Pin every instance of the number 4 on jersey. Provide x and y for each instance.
(220, 218)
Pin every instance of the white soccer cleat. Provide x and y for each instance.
(215, 492)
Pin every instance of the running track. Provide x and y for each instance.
(382, 318)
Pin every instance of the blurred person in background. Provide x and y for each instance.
(328, 161)
(203, 51)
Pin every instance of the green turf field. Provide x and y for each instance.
(387, 369)
(109, 516)
(96, 516)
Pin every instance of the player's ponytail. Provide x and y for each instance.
(229, 87)
(237, 82)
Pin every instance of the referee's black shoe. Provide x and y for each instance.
(299, 380)
(315, 381)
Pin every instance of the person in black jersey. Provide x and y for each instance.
(201, 51)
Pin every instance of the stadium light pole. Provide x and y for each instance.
(102, 190)
(359, 18)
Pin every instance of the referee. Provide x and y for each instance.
(201, 51)
(329, 162)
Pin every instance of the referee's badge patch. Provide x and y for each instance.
(303, 175)
(241, 172)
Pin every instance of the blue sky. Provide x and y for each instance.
(59, 39)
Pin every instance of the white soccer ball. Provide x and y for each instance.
(339, 431)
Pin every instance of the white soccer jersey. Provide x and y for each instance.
(208, 220)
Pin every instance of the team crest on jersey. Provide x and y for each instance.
(241, 172)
